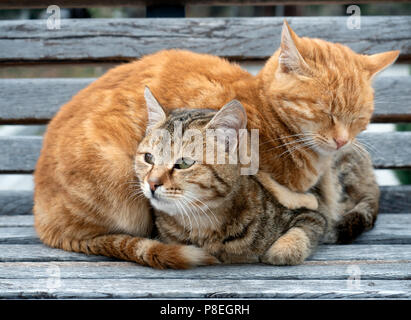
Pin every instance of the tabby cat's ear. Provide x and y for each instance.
(155, 111)
(378, 62)
(231, 116)
(290, 59)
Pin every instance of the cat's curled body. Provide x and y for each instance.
(254, 227)
(232, 216)
(85, 196)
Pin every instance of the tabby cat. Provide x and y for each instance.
(310, 99)
(211, 205)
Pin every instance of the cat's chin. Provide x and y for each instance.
(165, 206)
(324, 151)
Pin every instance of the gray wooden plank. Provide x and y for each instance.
(16, 202)
(388, 150)
(392, 99)
(193, 288)
(242, 38)
(389, 229)
(24, 4)
(313, 270)
(37, 100)
(19, 235)
(16, 221)
(41, 253)
(19, 153)
(394, 199)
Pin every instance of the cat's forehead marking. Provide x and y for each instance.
(186, 117)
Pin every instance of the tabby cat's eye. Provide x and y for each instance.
(184, 163)
(149, 158)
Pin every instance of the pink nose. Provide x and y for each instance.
(154, 183)
(340, 142)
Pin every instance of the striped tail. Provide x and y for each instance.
(143, 251)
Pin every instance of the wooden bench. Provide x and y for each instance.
(381, 258)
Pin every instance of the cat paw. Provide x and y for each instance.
(291, 249)
(306, 200)
(310, 201)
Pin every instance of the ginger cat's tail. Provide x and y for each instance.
(359, 219)
(143, 251)
(360, 196)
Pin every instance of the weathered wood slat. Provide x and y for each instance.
(19, 154)
(313, 270)
(388, 150)
(362, 252)
(16, 202)
(241, 38)
(389, 229)
(392, 99)
(37, 100)
(41, 253)
(18, 235)
(24, 4)
(194, 288)
(16, 221)
(394, 199)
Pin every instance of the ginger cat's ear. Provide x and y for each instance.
(155, 111)
(290, 59)
(378, 62)
(231, 116)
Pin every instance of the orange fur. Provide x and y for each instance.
(85, 186)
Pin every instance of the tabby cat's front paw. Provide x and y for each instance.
(290, 249)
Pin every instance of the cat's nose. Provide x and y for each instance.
(154, 183)
(340, 142)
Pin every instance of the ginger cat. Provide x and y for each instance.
(311, 99)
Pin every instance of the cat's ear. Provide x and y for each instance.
(155, 111)
(231, 116)
(290, 59)
(378, 62)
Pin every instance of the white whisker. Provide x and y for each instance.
(192, 196)
(184, 213)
